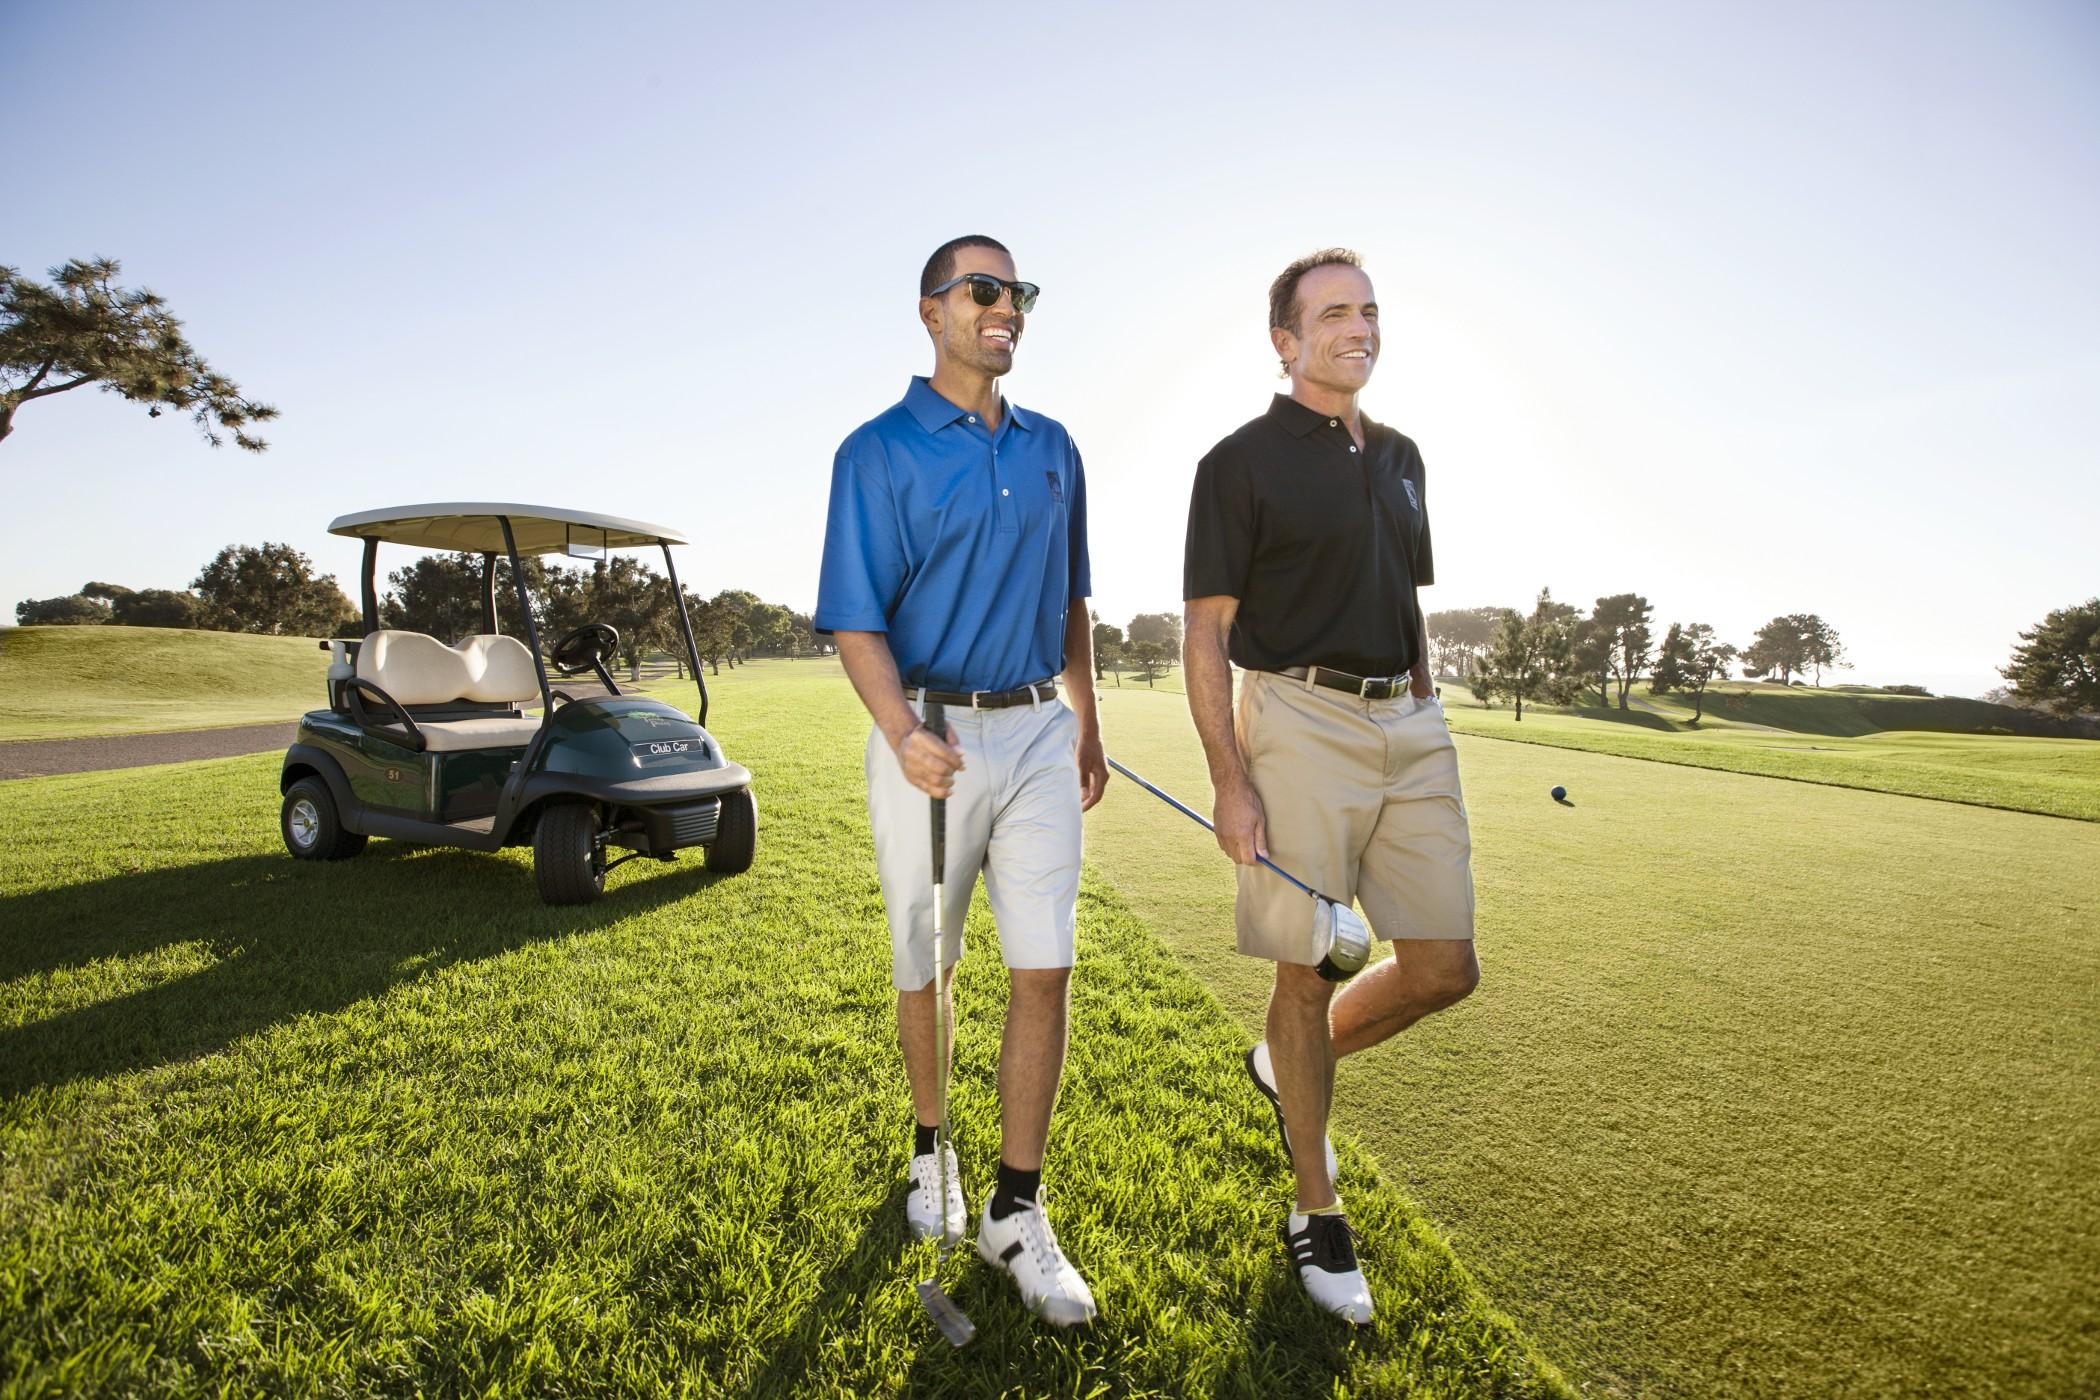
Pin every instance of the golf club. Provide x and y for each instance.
(1339, 932)
(955, 1325)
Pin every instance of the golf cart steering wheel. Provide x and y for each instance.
(584, 648)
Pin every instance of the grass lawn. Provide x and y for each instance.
(391, 1126)
(1769, 1089)
(2058, 777)
(77, 682)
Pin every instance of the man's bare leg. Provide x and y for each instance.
(1424, 975)
(1031, 1062)
(1303, 1057)
(915, 1037)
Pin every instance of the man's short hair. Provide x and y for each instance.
(1283, 292)
(941, 266)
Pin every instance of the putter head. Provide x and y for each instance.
(1341, 931)
(954, 1325)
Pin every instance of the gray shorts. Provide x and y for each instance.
(1014, 816)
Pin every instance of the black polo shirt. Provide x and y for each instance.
(1323, 545)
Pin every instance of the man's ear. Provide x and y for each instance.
(1286, 344)
(930, 315)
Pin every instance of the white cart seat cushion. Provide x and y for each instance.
(495, 732)
(501, 668)
(414, 667)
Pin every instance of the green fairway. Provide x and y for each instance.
(390, 1125)
(2056, 776)
(1769, 1089)
(78, 682)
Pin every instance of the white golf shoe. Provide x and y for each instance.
(1262, 1071)
(1323, 1248)
(1024, 1245)
(919, 1208)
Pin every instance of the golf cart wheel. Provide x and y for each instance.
(736, 834)
(313, 829)
(567, 860)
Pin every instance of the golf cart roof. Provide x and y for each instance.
(473, 526)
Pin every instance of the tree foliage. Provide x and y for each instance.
(1705, 660)
(84, 329)
(1796, 644)
(156, 607)
(1673, 659)
(1459, 637)
(1533, 658)
(1161, 627)
(272, 589)
(1592, 645)
(441, 594)
(73, 610)
(1622, 619)
(2056, 666)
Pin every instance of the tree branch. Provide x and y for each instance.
(38, 377)
(59, 388)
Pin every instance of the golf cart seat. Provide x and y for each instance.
(462, 697)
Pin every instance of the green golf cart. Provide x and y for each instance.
(430, 742)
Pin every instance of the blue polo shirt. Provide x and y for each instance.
(966, 546)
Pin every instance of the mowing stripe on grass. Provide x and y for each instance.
(391, 1124)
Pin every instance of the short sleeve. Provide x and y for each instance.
(1082, 570)
(1220, 548)
(864, 565)
(1425, 557)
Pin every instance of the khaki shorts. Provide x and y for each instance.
(1014, 816)
(1362, 803)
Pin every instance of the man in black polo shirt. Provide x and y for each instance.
(1307, 539)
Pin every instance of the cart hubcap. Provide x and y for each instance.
(306, 821)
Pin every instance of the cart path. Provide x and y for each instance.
(40, 758)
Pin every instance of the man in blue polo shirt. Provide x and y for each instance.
(955, 570)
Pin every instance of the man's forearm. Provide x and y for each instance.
(873, 671)
(1422, 682)
(1079, 666)
(1208, 673)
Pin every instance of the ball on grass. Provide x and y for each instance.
(1560, 794)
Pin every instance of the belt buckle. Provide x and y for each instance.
(1376, 688)
(973, 698)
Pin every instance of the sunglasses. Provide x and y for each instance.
(985, 289)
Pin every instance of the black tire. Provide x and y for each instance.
(566, 858)
(736, 834)
(311, 826)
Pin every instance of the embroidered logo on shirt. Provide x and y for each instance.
(1057, 488)
(1412, 498)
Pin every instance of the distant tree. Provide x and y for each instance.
(1820, 644)
(105, 592)
(1458, 637)
(1108, 646)
(73, 610)
(1533, 657)
(84, 329)
(714, 629)
(1153, 658)
(1705, 661)
(1672, 659)
(1163, 627)
(1779, 649)
(157, 607)
(1592, 646)
(441, 594)
(1625, 616)
(633, 598)
(2056, 667)
(273, 589)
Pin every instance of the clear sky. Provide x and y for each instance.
(1752, 309)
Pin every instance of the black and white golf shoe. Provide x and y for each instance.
(1024, 1245)
(919, 1208)
(1323, 1248)
(1263, 1072)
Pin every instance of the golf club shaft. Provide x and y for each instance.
(937, 720)
(1199, 818)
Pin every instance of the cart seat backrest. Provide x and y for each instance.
(502, 669)
(418, 669)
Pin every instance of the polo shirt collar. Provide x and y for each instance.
(1302, 421)
(935, 413)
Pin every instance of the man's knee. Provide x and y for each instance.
(1039, 985)
(1454, 979)
(1298, 983)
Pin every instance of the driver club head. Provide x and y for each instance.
(1344, 938)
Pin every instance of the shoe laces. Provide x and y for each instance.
(1330, 1244)
(1037, 1236)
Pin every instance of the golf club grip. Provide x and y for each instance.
(1198, 817)
(937, 721)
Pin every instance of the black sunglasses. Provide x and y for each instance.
(985, 289)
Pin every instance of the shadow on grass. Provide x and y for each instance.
(1638, 719)
(288, 938)
(869, 1262)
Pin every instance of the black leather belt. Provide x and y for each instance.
(987, 699)
(1367, 687)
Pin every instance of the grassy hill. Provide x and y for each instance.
(76, 682)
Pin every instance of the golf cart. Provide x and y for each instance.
(429, 743)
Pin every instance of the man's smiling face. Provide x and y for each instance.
(980, 338)
(1335, 343)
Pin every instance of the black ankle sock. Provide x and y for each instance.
(922, 1138)
(1016, 1188)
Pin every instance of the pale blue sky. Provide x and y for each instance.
(1753, 309)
